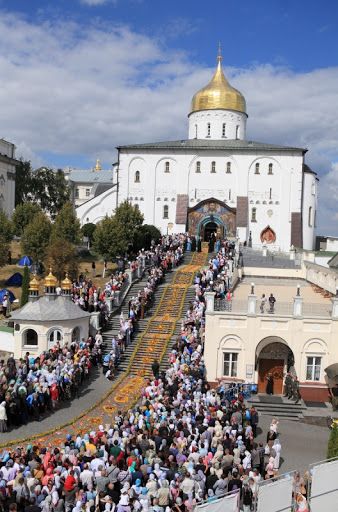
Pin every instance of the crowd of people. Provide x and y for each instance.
(183, 443)
(35, 385)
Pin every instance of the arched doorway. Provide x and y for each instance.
(209, 229)
(273, 357)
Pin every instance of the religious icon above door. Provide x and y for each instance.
(268, 235)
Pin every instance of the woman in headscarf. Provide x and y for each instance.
(269, 469)
(3, 417)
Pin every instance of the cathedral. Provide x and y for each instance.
(217, 181)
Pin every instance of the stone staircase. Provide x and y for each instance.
(278, 407)
(150, 325)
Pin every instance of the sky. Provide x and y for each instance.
(80, 77)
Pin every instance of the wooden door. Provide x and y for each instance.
(276, 368)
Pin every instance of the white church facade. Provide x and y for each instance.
(217, 180)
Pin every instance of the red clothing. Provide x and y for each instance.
(70, 483)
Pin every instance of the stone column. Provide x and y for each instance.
(210, 301)
(252, 301)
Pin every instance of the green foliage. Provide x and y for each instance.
(114, 236)
(130, 218)
(45, 186)
(67, 225)
(35, 238)
(24, 214)
(4, 252)
(6, 228)
(24, 287)
(51, 189)
(144, 236)
(62, 257)
(88, 230)
(332, 449)
(23, 182)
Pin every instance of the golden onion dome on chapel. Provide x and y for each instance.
(34, 284)
(98, 166)
(66, 284)
(218, 94)
(50, 280)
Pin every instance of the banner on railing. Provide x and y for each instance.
(275, 495)
(324, 486)
(229, 503)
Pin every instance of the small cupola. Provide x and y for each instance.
(33, 290)
(66, 286)
(50, 284)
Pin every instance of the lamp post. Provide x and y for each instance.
(252, 288)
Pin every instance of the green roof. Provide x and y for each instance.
(225, 145)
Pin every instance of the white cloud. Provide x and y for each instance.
(96, 2)
(68, 91)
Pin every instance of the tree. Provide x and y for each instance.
(62, 257)
(51, 189)
(35, 238)
(24, 287)
(4, 252)
(109, 239)
(6, 228)
(88, 231)
(24, 214)
(145, 235)
(23, 181)
(44, 186)
(67, 225)
(130, 218)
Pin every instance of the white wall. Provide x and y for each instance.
(198, 124)
(309, 210)
(97, 208)
(158, 188)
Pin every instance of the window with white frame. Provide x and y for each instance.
(77, 193)
(254, 215)
(208, 129)
(167, 167)
(137, 177)
(54, 337)
(313, 365)
(198, 166)
(213, 167)
(87, 192)
(237, 132)
(228, 167)
(270, 169)
(230, 360)
(257, 168)
(165, 211)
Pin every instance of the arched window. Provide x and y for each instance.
(76, 334)
(54, 337)
(30, 337)
(137, 177)
(166, 211)
(228, 167)
(198, 166)
(270, 169)
(167, 167)
(257, 168)
(195, 131)
(270, 193)
(208, 129)
(310, 217)
(213, 167)
(223, 130)
(237, 132)
(253, 215)
(229, 194)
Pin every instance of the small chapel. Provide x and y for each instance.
(217, 181)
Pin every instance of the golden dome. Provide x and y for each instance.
(34, 284)
(66, 284)
(50, 280)
(98, 165)
(218, 94)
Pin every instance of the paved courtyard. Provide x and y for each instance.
(302, 444)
